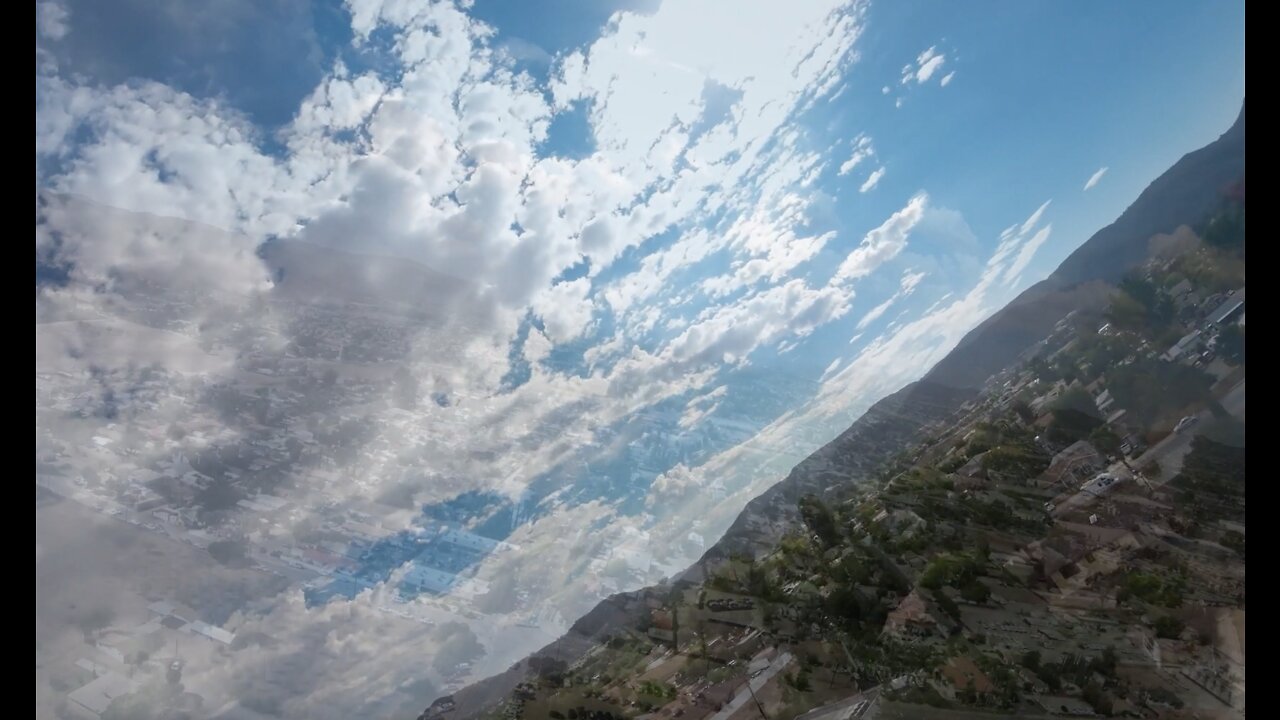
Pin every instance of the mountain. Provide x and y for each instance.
(1183, 195)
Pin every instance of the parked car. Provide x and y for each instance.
(1185, 423)
(1133, 446)
(1100, 484)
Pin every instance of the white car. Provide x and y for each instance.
(1100, 484)
(1186, 422)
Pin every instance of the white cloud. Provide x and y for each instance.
(1025, 254)
(875, 312)
(536, 346)
(926, 65)
(52, 20)
(767, 246)
(883, 243)
(872, 180)
(1029, 224)
(946, 79)
(906, 286)
(1094, 178)
(861, 151)
(930, 62)
(832, 367)
(730, 333)
(565, 309)
(910, 280)
(898, 357)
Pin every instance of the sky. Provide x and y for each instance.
(672, 246)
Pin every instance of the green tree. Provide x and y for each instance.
(1075, 416)
(1234, 540)
(1226, 229)
(1031, 660)
(1167, 626)
(1105, 440)
(1231, 344)
(1097, 698)
(1139, 306)
(232, 553)
(820, 520)
(975, 591)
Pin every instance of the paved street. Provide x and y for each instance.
(744, 695)
(1168, 453)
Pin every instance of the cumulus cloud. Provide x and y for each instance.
(1094, 178)
(52, 20)
(946, 79)
(120, 252)
(565, 309)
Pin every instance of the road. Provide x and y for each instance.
(856, 707)
(1168, 453)
(744, 695)
(1233, 401)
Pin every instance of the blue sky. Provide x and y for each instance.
(683, 244)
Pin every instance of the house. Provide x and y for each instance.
(1042, 402)
(916, 617)
(96, 696)
(901, 522)
(1074, 464)
(973, 468)
(1230, 309)
(1133, 445)
(964, 674)
(1062, 705)
(1104, 401)
(1179, 291)
(662, 627)
(213, 633)
(1188, 342)
(440, 707)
